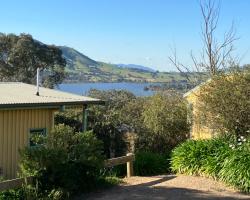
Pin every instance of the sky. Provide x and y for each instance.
(125, 31)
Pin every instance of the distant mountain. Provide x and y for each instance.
(81, 68)
(133, 66)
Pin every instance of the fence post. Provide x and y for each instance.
(130, 169)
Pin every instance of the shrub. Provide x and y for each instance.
(67, 162)
(159, 121)
(116, 171)
(107, 122)
(202, 157)
(148, 163)
(30, 192)
(70, 117)
(224, 103)
(221, 158)
(12, 194)
(165, 117)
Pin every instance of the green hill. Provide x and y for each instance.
(76, 60)
(81, 68)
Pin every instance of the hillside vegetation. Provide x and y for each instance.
(81, 68)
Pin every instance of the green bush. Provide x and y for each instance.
(222, 158)
(202, 157)
(159, 121)
(148, 163)
(68, 161)
(217, 151)
(70, 117)
(236, 168)
(12, 194)
(30, 192)
(107, 120)
(165, 118)
(117, 171)
(224, 103)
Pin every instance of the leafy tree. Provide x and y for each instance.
(70, 117)
(224, 103)
(20, 56)
(165, 116)
(159, 122)
(107, 121)
(131, 114)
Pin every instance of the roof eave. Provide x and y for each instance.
(51, 104)
(195, 89)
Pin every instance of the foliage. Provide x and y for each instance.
(31, 192)
(12, 194)
(159, 122)
(236, 168)
(181, 85)
(148, 163)
(106, 121)
(72, 118)
(68, 161)
(225, 103)
(20, 56)
(117, 171)
(1, 179)
(165, 117)
(109, 181)
(221, 158)
(202, 157)
(131, 114)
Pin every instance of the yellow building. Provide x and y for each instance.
(23, 113)
(200, 129)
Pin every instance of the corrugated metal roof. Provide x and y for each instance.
(21, 94)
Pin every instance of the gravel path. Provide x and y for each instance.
(168, 187)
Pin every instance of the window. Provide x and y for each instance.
(37, 136)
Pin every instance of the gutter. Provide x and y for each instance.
(49, 105)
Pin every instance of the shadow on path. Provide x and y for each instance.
(149, 190)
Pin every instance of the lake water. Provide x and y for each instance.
(83, 88)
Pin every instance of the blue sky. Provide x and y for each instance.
(124, 31)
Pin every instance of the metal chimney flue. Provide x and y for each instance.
(37, 81)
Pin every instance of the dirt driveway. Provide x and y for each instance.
(167, 187)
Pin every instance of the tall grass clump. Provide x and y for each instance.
(149, 163)
(202, 157)
(222, 158)
(186, 158)
(236, 168)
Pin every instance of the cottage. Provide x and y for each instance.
(23, 113)
(200, 129)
